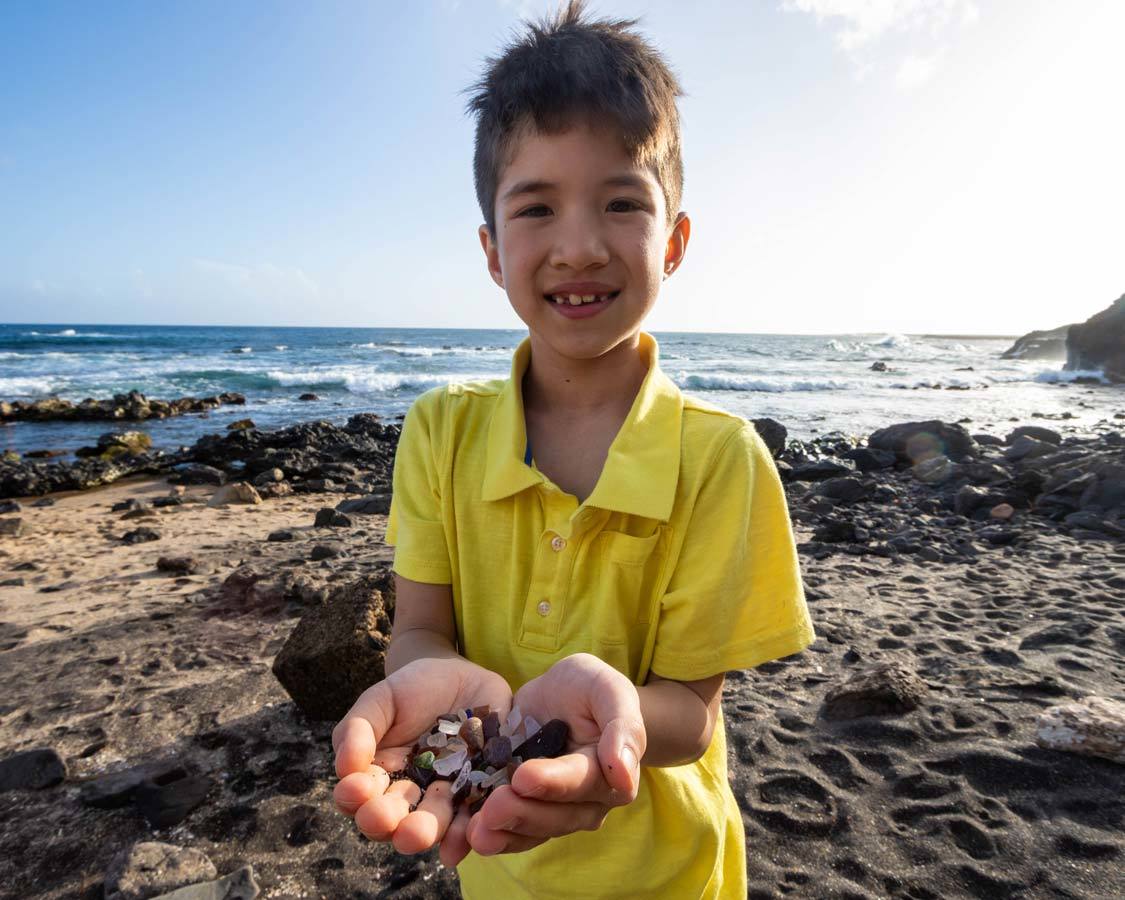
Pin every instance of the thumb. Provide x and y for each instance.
(620, 750)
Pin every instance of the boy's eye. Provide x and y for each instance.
(624, 206)
(534, 212)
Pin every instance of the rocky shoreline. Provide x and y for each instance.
(961, 585)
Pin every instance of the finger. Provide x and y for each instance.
(427, 824)
(352, 791)
(393, 759)
(380, 816)
(491, 843)
(575, 777)
(506, 813)
(455, 845)
(355, 738)
(622, 744)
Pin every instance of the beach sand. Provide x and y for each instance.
(114, 664)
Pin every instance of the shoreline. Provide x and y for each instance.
(121, 665)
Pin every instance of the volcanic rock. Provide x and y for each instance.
(1099, 343)
(150, 868)
(915, 442)
(32, 770)
(885, 689)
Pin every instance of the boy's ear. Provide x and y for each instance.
(491, 254)
(677, 243)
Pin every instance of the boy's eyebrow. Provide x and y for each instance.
(535, 185)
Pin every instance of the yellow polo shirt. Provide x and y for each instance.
(680, 563)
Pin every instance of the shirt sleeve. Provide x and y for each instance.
(735, 598)
(415, 527)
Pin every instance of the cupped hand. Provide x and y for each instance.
(373, 740)
(574, 792)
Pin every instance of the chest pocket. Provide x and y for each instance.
(628, 573)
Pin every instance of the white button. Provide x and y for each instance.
(558, 543)
(544, 608)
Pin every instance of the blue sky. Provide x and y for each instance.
(852, 165)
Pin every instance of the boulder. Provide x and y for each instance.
(241, 425)
(1099, 343)
(868, 460)
(336, 651)
(1095, 726)
(821, 470)
(935, 470)
(197, 473)
(915, 442)
(1034, 431)
(32, 770)
(885, 689)
(773, 434)
(1039, 345)
(269, 476)
(237, 492)
(1027, 447)
(150, 868)
(845, 489)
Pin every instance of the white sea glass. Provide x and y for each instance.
(447, 765)
(477, 777)
(514, 719)
(462, 777)
(449, 728)
(530, 726)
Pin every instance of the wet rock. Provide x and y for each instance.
(1095, 726)
(326, 551)
(197, 473)
(178, 565)
(140, 536)
(336, 651)
(885, 689)
(308, 397)
(878, 366)
(331, 518)
(241, 425)
(773, 435)
(269, 476)
(150, 868)
(116, 789)
(238, 492)
(32, 770)
(914, 442)
(118, 443)
(1034, 431)
(168, 800)
(1099, 343)
(11, 527)
(1039, 345)
(373, 504)
(132, 406)
(238, 885)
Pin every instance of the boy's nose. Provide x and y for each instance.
(579, 244)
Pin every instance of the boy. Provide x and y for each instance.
(581, 533)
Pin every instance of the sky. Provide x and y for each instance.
(909, 166)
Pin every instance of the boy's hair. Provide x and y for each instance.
(568, 69)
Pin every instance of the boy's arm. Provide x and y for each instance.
(679, 718)
(424, 626)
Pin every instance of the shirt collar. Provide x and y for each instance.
(643, 464)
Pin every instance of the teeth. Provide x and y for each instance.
(575, 300)
(578, 299)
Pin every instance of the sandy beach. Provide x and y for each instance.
(115, 664)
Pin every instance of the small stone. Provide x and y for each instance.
(32, 770)
(326, 551)
(241, 425)
(44, 501)
(424, 760)
(308, 397)
(447, 765)
(491, 723)
(472, 733)
(498, 751)
(1095, 726)
(151, 868)
(331, 518)
(9, 506)
(281, 536)
(11, 527)
(549, 741)
(885, 689)
(1002, 511)
(140, 536)
(238, 492)
(178, 565)
(167, 803)
(270, 476)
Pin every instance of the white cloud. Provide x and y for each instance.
(915, 70)
(860, 23)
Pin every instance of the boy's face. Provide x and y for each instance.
(576, 217)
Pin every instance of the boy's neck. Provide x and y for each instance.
(565, 386)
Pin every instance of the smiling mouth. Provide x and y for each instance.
(579, 299)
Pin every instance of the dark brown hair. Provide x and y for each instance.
(566, 69)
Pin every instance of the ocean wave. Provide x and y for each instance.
(742, 383)
(68, 333)
(1058, 376)
(366, 382)
(241, 350)
(28, 387)
(281, 347)
(399, 349)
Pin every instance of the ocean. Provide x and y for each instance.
(813, 384)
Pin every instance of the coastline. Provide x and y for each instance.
(116, 664)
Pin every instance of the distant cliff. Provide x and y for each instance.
(1040, 345)
(1099, 343)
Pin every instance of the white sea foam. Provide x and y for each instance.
(28, 387)
(362, 381)
(1057, 376)
(743, 383)
(281, 347)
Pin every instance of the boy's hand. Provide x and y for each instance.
(573, 792)
(375, 737)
